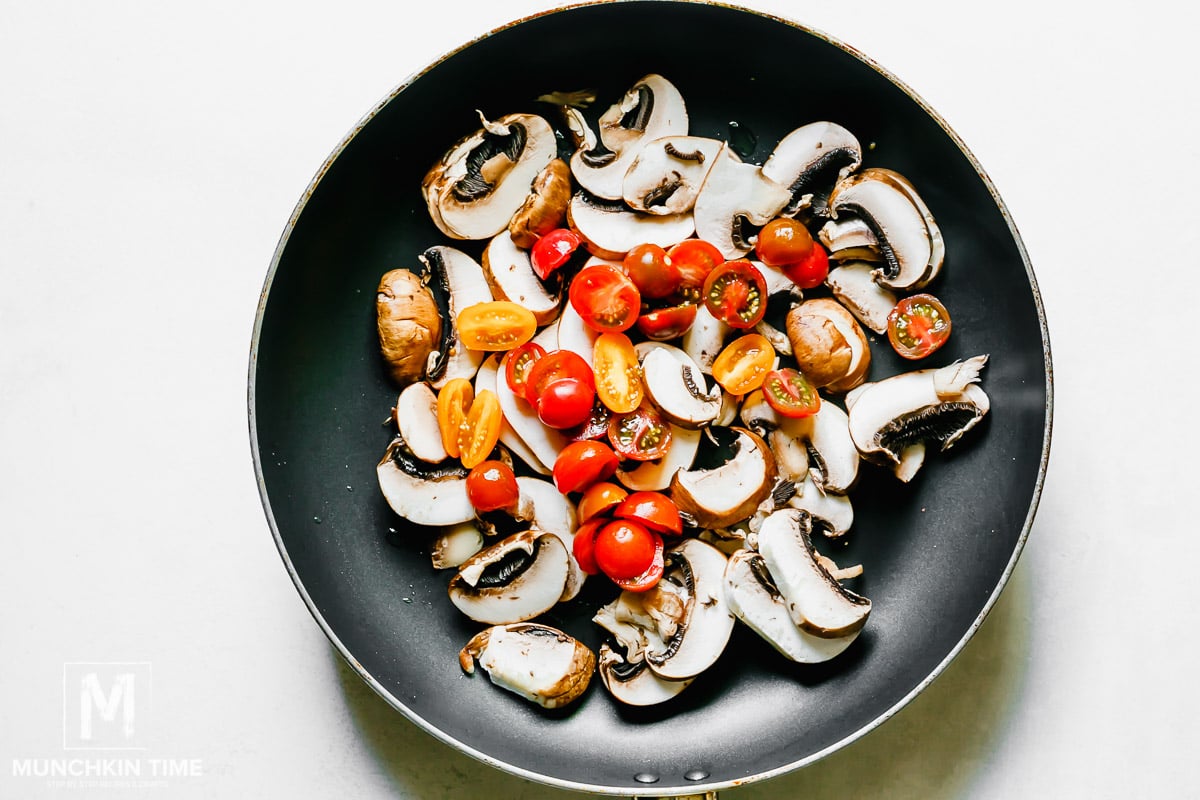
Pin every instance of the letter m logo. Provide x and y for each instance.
(105, 705)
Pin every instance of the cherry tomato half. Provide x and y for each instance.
(553, 250)
(565, 403)
(652, 574)
(605, 298)
(583, 547)
(594, 427)
(694, 259)
(641, 435)
(599, 499)
(624, 549)
(552, 366)
(495, 325)
(664, 324)
(479, 432)
(790, 393)
(918, 326)
(581, 464)
(518, 363)
(491, 485)
(736, 294)
(618, 373)
(654, 510)
(744, 363)
(810, 272)
(453, 403)
(783, 241)
(651, 270)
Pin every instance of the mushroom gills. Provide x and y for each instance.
(633, 682)
(514, 580)
(550, 511)
(676, 386)
(423, 493)
(667, 174)
(610, 228)
(810, 161)
(457, 281)
(537, 662)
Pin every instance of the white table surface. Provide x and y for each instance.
(151, 155)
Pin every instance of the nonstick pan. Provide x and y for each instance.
(936, 552)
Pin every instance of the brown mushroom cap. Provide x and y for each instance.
(546, 206)
(830, 346)
(409, 324)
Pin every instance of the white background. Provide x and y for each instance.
(150, 155)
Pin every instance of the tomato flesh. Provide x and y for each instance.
(624, 549)
(641, 435)
(694, 259)
(651, 270)
(790, 393)
(553, 250)
(581, 464)
(918, 326)
(605, 298)
(654, 510)
(491, 485)
(744, 363)
(618, 373)
(479, 432)
(665, 324)
(783, 241)
(453, 403)
(495, 325)
(736, 294)
(518, 363)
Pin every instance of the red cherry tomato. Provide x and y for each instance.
(736, 294)
(552, 366)
(492, 485)
(918, 326)
(651, 270)
(580, 464)
(783, 241)
(605, 298)
(594, 427)
(664, 324)
(624, 549)
(810, 272)
(654, 510)
(599, 499)
(694, 259)
(518, 363)
(565, 403)
(553, 250)
(790, 393)
(583, 547)
(641, 435)
(650, 576)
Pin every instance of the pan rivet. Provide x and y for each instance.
(646, 777)
(696, 774)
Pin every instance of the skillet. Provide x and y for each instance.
(936, 552)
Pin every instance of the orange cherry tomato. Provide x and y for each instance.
(736, 294)
(599, 499)
(624, 549)
(492, 485)
(618, 373)
(654, 510)
(495, 325)
(918, 326)
(605, 298)
(664, 324)
(479, 432)
(790, 393)
(694, 259)
(583, 547)
(581, 464)
(744, 363)
(518, 363)
(651, 270)
(783, 241)
(640, 435)
(453, 403)
(810, 272)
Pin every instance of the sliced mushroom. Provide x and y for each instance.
(810, 161)
(736, 200)
(849, 239)
(729, 492)
(547, 510)
(514, 580)
(694, 571)
(667, 174)
(486, 379)
(676, 387)
(854, 286)
(892, 420)
(650, 109)
(408, 324)
(510, 276)
(545, 208)
(537, 662)
(477, 186)
(905, 232)
(705, 340)
(830, 346)
(455, 545)
(831, 513)
(633, 682)
(423, 493)
(832, 455)
(610, 228)
(417, 421)
(815, 600)
(574, 334)
(755, 599)
(655, 476)
(457, 281)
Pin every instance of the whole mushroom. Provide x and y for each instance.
(409, 324)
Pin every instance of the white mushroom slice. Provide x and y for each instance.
(735, 201)
(417, 421)
(610, 229)
(548, 510)
(455, 545)
(421, 493)
(633, 682)
(892, 420)
(509, 274)
(514, 580)
(754, 598)
(537, 662)
(667, 174)
(651, 109)
(477, 186)
(854, 286)
(456, 281)
(816, 601)
(777, 281)
(830, 346)
(486, 379)
(906, 234)
(575, 335)
(849, 239)
(832, 454)
(728, 493)
(705, 340)
(831, 513)
(676, 387)
(696, 570)
(540, 439)
(810, 161)
(654, 476)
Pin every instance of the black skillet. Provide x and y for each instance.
(936, 552)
